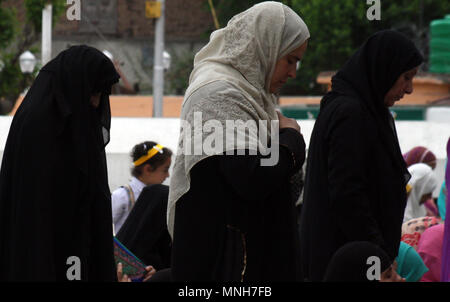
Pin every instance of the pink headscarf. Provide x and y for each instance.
(430, 249)
(420, 155)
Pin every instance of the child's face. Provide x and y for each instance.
(160, 174)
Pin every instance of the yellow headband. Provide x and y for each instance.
(157, 148)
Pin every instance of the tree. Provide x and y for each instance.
(15, 38)
(338, 28)
(227, 9)
(6, 26)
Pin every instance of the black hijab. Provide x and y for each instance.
(78, 73)
(369, 74)
(349, 263)
(145, 231)
(54, 195)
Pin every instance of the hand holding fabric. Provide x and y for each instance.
(286, 122)
(150, 272)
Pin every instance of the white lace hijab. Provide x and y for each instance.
(231, 81)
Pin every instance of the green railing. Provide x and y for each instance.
(404, 113)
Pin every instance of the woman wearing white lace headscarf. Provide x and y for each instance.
(422, 184)
(231, 216)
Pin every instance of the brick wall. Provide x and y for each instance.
(131, 38)
(186, 20)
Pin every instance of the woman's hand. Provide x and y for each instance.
(150, 272)
(286, 122)
(391, 275)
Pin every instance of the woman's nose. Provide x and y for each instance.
(409, 88)
(292, 73)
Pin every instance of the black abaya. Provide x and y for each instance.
(238, 219)
(355, 175)
(144, 232)
(54, 195)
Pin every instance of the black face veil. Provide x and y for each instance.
(54, 194)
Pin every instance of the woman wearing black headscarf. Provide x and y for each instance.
(54, 196)
(361, 261)
(356, 177)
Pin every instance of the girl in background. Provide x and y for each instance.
(151, 163)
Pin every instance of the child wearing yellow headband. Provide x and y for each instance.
(151, 163)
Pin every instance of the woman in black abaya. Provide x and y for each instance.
(355, 183)
(54, 196)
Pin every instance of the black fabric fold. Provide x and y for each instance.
(144, 232)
